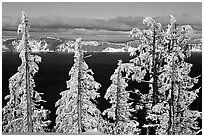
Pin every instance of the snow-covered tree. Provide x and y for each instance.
(23, 112)
(77, 111)
(147, 61)
(121, 109)
(175, 81)
(161, 55)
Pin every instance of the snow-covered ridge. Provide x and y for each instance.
(90, 43)
(109, 49)
(36, 46)
(123, 49)
(45, 44)
(52, 44)
(196, 47)
(5, 39)
(49, 37)
(4, 48)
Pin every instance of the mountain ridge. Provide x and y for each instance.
(119, 23)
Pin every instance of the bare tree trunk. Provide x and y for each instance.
(29, 107)
(171, 112)
(118, 95)
(155, 86)
(79, 96)
(171, 103)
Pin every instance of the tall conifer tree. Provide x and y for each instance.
(121, 108)
(161, 55)
(77, 111)
(23, 112)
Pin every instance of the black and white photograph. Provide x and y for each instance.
(101, 68)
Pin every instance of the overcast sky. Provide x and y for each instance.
(104, 15)
(102, 10)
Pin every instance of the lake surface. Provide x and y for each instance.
(54, 68)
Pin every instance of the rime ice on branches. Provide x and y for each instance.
(77, 111)
(23, 112)
(120, 110)
(162, 54)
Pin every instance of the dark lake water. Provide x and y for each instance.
(54, 68)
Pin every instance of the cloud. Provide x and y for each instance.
(9, 23)
(190, 19)
(57, 23)
(181, 19)
(131, 21)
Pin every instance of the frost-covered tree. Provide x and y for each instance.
(176, 82)
(121, 109)
(23, 112)
(161, 55)
(146, 62)
(77, 111)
